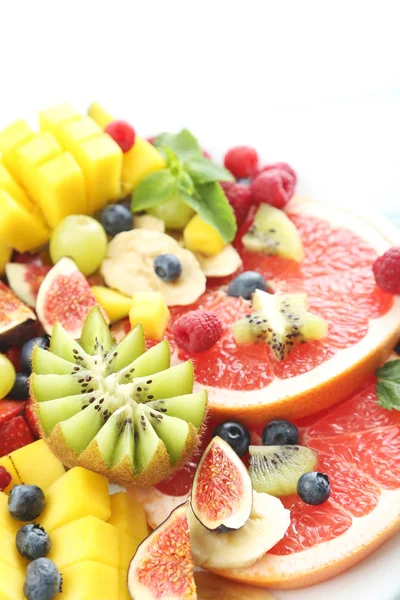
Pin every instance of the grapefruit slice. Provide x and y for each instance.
(340, 248)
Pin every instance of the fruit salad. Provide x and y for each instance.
(187, 347)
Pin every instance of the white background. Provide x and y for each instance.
(314, 83)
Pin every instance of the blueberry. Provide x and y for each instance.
(167, 267)
(235, 434)
(20, 389)
(26, 502)
(43, 580)
(397, 348)
(245, 284)
(116, 218)
(33, 542)
(314, 488)
(280, 433)
(27, 349)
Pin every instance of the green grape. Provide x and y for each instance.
(7, 376)
(81, 238)
(175, 213)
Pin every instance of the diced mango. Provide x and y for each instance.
(77, 132)
(150, 309)
(98, 114)
(199, 236)
(5, 462)
(85, 539)
(58, 188)
(100, 159)
(11, 583)
(16, 218)
(75, 495)
(34, 152)
(37, 465)
(52, 118)
(140, 161)
(127, 514)
(90, 580)
(10, 138)
(5, 257)
(6, 519)
(116, 305)
(9, 554)
(8, 183)
(127, 547)
(123, 585)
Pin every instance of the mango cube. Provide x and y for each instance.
(5, 257)
(150, 309)
(116, 305)
(5, 462)
(128, 515)
(29, 155)
(17, 218)
(10, 138)
(75, 495)
(140, 161)
(9, 554)
(85, 539)
(123, 585)
(37, 465)
(6, 520)
(101, 116)
(199, 236)
(90, 580)
(8, 183)
(76, 132)
(11, 583)
(58, 188)
(52, 118)
(127, 545)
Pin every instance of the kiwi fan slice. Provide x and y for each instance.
(115, 408)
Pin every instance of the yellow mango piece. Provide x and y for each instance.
(9, 554)
(5, 256)
(140, 161)
(29, 155)
(16, 218)
(52, 118)
(150, 309)
(127, 547)
(11, 583)
(89, 580)
(85, 539)
(128, 515)
(77, 132)
(77, 494)
(199, 236)
(6, 519)
(5, 462)
(100, 159)
(123, 585)
(98, 114)
(37, 465)
(8, 183)
(58, 188)
(10, 138)
(116, 305)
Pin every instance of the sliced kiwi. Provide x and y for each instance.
(114, 408)
(276, 470)
(272, 232)
(280, 320)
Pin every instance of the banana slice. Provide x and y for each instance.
(225, 263)
(211, 587)
(128, 267)
(266, 526)
(149, 222)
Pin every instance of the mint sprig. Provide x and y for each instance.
(388, 385)
(190, 177)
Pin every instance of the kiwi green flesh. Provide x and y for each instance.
(61, 409)
(190, 407)
(125, 446)
(156, 359)
(172, 431)
(148, 442)
(62, 345)
(79, 430)
(106, 438)
(172, 382)
(96, 337)
(51, 387)
(129, 349)
(47, 363)
(276, 470)
(272, 232)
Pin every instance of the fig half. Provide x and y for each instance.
(222, 493)
(162, 568)
(17, 321)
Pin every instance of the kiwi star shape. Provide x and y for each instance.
(114, 408)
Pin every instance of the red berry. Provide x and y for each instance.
(272, 187)
(281, 166)
(387, 271)
(239, 197)
(122, 133)
(14, 434)
(5, 479)
(31, 419)
(241, 161)
(197, 330)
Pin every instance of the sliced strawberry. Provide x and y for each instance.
(30, 418)
(14, 434)
(10, 409)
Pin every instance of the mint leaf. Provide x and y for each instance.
(184, 144)
(202, 170)
(186, 183)
(210, 202)
(173, 162)
(388, 385)
(155, 189)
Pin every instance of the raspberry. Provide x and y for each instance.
(281, 166)
(241, 161)
(239, 197)
(122, 133)
(387, 271)
(5, 479)
(273, 187)
(197, 330)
